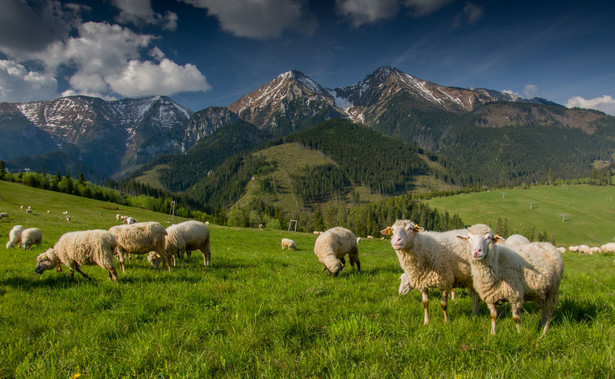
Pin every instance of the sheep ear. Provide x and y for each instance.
(386, 231)
(418, 229)
(463, 238)
(497, 238)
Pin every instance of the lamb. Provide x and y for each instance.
(140, 238)
(332, 246)
(74, 249)
(431, 260)
(187, 236)
(290, 244)
(14, 236)
(31, 236)
(531, 272)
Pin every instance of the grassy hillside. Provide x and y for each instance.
(261, 311)
(589, 211)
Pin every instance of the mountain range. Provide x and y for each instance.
(476, 135)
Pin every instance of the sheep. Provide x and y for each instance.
(516, 240)
(431, 260)
(67, 218)
(286, 242)
(529, 272)
(187, 236)
(65, 213)
(4, 215)
(573, 249)
(29, 210)
(130, 220)
(15, 236)
(608, 247)
(74, 249)
(118, 217)
(31, 236)
(584, 249)
(332, 246)
(140, 238)
(154, 259)
(561, 250)
(358, 240)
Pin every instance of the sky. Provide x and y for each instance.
(207, 53)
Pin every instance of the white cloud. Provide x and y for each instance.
(531, 91)
(138, 12)
(146, 78)
(605, 103)
(472, 12)
(259, 19)
(19, 84)
(361, 12)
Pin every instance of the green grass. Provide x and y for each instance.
(589, 211)
(263, 311)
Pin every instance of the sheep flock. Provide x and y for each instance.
(492, 269)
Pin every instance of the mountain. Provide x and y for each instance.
(290, 102)
(111, 136)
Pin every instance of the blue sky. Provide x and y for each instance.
(212, 52)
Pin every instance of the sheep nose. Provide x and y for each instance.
(476, 251)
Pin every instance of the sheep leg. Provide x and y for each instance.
(425, 306)
(165, 259)
(453, 294)
(494, 315)
(444, 305)
(206, 256)
(82, 273)
(517, 318)
(113, 274)
(476, 303)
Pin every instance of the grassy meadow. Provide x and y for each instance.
(262, 311)
(573, 214)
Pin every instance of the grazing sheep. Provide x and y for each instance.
(358, 240)
(74, 249)
(431, 260)
(118, 217)
(64, 213)
(140, 238)
(4, 215)
(154, 259)
(129, 220)
(29, 210)
(608, 247)
(516, 240)
(290, 244)
(31, 236)
(584, 249)
(530, 272)
(67, 218)
(561, 249)
(188, 236)
(15, 236)
(573, 249)
(332, 246)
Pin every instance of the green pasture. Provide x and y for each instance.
(260, 311)
(573, 214)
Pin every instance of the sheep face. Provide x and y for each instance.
(333, 266)
(402, 233)
(479, 243)
(44, 262)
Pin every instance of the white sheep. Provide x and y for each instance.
(118, 217)
(4, 215)
(67, 218)
(608, 247)
(74, 249)
(516, 240)
(154, 259)
(64, 213)
(29, 210)
(188, 236)
(332, 246)
(561, 250)
(290, 244)
(140, 238)
(15, 236)
(573, 249)
(584, 249)
(431, 260)
(358, 240)
(130, 220)
(31, 236)
(530, 272)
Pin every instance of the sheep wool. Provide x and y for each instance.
(530, 272)
(188, 236)
(290, 244)
(332, 246)
(140, 238)
(431, 260)
(31, 236)
(75, 249)
(14, 236)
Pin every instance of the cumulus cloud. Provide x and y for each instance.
(258, 19)
(20, 84)
(26, 28)
(146, 78)
(361, 12)
(531, 91)
(605, 103)
(138, 12)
